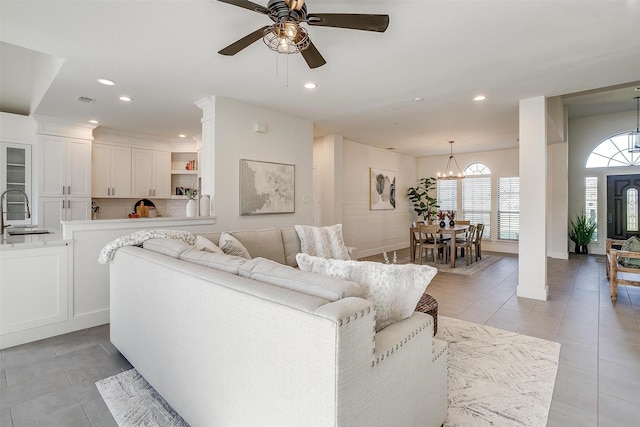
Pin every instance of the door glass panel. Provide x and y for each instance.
(632, 209)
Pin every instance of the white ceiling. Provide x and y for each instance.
(164, 55)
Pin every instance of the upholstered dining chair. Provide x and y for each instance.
(478, 240)
(466, 244)
(432, 242)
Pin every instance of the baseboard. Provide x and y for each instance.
(54, 329)
(541, 294)
(388, 248)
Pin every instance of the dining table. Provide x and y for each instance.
(451, 230)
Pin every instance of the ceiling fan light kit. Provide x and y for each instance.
(287, 36)
(634, 135)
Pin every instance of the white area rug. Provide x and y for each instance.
(496, 378)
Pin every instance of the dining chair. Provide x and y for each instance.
(463, 222)
(417, 241)
(466, 244)
(478, 240)
(430, 241)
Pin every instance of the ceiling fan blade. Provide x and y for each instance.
(244, 42)
(246, 4)
(353, 21)
(312, 56)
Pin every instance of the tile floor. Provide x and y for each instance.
(51, 382)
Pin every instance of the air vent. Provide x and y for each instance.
(86, 99)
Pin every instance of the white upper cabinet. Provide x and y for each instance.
(65, 167)
(111, 171)
(151, 173)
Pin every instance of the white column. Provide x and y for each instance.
(532, 258)
(328, 159)
(208, 144)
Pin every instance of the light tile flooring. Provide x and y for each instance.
(51, 382)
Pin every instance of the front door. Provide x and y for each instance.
(623, 192)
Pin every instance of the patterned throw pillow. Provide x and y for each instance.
(632, 244)
(325, 242)
(394, 289)
(232, 246)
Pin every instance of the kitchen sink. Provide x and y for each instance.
(25, 231)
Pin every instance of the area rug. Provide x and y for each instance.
(496, 378)
(461, 266)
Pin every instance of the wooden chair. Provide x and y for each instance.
(466, 244)
(417, 241)
(430, 241)
(616, 272)
(478, 240)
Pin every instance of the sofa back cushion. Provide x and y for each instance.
(262, 243)
(223, 262)
(291, 243)
(325, 242)
(273, 273)
(169, 247)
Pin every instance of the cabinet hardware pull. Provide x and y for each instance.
(63, 190)
(108, 191)
(113, 191)
(69, 190)
(154, 192)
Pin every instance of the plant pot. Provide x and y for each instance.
(452, 223)
(582, 249)
(442, 224)
(192, 208)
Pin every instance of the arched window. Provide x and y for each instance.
(477, 169)
(613, 152)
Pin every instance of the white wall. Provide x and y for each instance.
(374, 231)
(287, 140)
(584, 135)
(18, 129)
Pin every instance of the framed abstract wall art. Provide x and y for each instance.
(266, 187)
(382, 189)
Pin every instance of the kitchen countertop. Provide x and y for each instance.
(32, 241)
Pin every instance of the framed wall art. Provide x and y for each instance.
(266, 188)
(382, 189)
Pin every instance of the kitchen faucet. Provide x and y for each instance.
(26, 198)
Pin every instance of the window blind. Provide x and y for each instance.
(447, 194)
(509, 208)
(476, 202)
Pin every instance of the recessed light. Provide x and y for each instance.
(125, 98)
(106, 82)
(480, 98)
(310, 85)
(95, 122)
(418, 99)
(182, 135)
(637, 89)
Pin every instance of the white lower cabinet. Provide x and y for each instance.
(33, 288)
(53, 210)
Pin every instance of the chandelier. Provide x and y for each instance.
(634, 135)
(286, 37)
(449, 173)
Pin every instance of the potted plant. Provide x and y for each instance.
(424, 205)
(581, 231)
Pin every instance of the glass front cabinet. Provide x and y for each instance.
(15, 173)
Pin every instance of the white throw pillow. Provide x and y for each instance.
(232, 246)
(394, 289)
(325, 242)
(204, 244)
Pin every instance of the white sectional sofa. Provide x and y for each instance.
(289, 349)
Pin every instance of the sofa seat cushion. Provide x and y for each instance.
(325, 242)
(322, 286)
(394, 289)
(168, 247)
(263, 243)
(219, 261)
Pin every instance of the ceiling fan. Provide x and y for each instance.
(287, 36)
